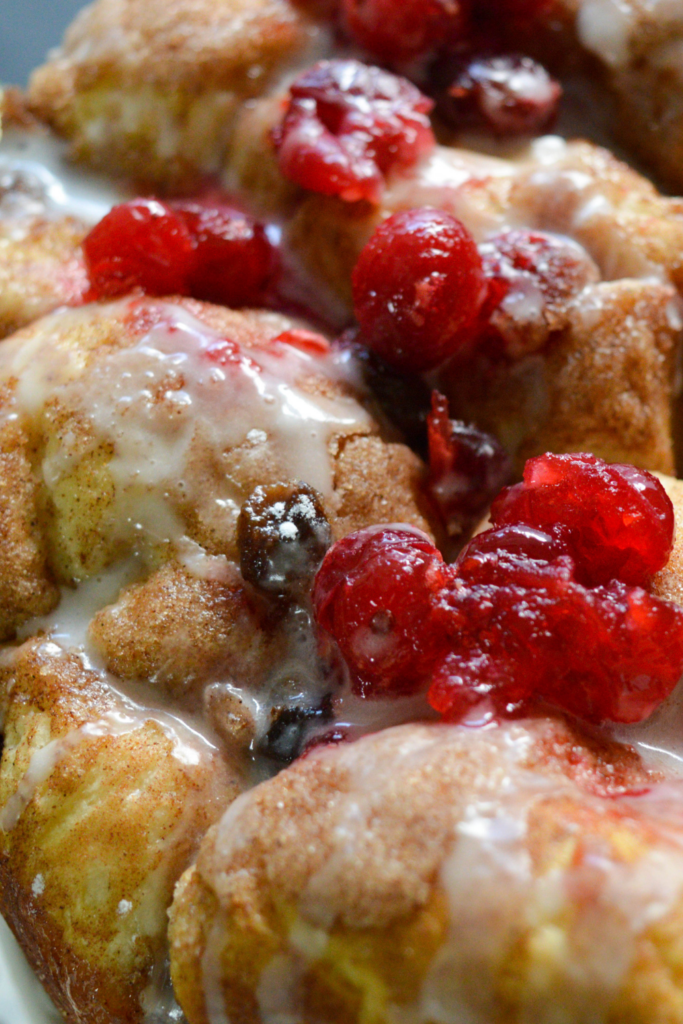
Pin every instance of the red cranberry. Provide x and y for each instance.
(347, 125)
(373, 595)
(467, 468)
(505, 94)
(532, 277)
(234, 260)
(141, 244)
(609, 653)
(418, 289)
(399, 30)
(617, 521)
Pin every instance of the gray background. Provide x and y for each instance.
(28, 28)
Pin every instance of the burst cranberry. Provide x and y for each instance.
(233, 260)
(141, 244)
(399, 30)
(617, 520)
(532, 278)
(511, 627)
(418, 289)
(505, 94)
(347, 125)
(522, 630)
(467, 468)
(373, 594)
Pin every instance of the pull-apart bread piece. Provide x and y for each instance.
(153, 88)
(104, 803)
(171, 474)
(434, 873)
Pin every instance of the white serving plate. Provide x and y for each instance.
(22, 999)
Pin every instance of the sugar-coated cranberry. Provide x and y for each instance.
(617, 521)
(399, 30)
(282, 535)
(233, 261)
(505, 94)
(418, 289)
(467, 468)
(373, 595)
(347, 125)
(532, 277)
(140, 244)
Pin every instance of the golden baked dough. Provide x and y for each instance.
(431, 872)
(41, 266)
(153, 87)
(103, 805)
(633, 48)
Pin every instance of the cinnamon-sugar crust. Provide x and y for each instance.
(89, 914)
(125, 66)
(337, 871)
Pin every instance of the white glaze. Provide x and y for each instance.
(604, 28)
(251, 400)
(58, 187)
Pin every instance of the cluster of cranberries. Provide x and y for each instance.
(347, 125)
(423, 291)
(548, 606)
(214, 253)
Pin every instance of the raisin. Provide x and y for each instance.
(403, 399)
(288, 736)
(282, 534)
